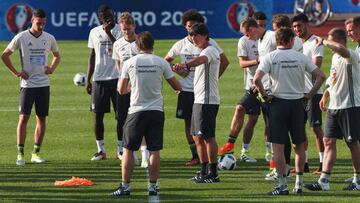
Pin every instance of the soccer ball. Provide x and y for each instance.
(227, 162)
(79, 79)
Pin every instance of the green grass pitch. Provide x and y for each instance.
(69, 144)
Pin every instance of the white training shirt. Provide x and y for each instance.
(123, 50)
(345, 84)
(248, 48)
(34, 53)
(286, 68)
(146, 72)
(266, 45)
(187, 51)
(206, 78)
(104, 64)
(311, 50)
(298, 45)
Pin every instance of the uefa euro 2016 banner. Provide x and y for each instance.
(73, 19)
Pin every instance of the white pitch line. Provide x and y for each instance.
(87, 109)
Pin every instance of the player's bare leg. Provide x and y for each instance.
(39, 129)
(299, 166)
(203, 157)
(154, 165)
(127, 165)
(20, 138)
(248, 134)
(99, 135)
(195, 159)
(38, 138)
(318, 132)
(235, 128)
(21, 128)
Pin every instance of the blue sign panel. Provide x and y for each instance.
(161, 17)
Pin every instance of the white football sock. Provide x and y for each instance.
(119, 146)
(100, 145)
(144, 153)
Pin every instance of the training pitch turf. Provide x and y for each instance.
(69, 144)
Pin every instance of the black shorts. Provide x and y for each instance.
(122, 106)
(203, 120)
(148, 124)
(250, 103)
(313, 112)
(286, 116)
(184, 105)
(102, 93)
(343, 123)
(38, 95)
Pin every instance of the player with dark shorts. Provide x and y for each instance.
(102, 93)
(186, 50)
(206, 103)
(39, 96)
(343, 112)
(286, 68)
(203, 121)
(144, 73)
(184, 105)
(103, 74)
(123, 49)
(34, 74)
(147, 124)
(300, 25)
(313, 113)
(251, 103)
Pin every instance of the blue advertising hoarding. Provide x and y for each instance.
(161, 17)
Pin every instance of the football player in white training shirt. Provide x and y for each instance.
(145, 73)
(206, 102)
(34, 45)
(286, 68)
(249, 104)
(186, 49)
(277, 22)
(343, 112)
(125, 48)
(352, 26)
(315, 53)
(104, 75)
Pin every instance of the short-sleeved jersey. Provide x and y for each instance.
(187, 51)
(146, 72)
(311, 50)
(248, 48)
(345, 84)
(266, 45)
(100, 42)
(123, 50)
(34, 53)
(298, 46)
(286, 68)
(206, 78)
